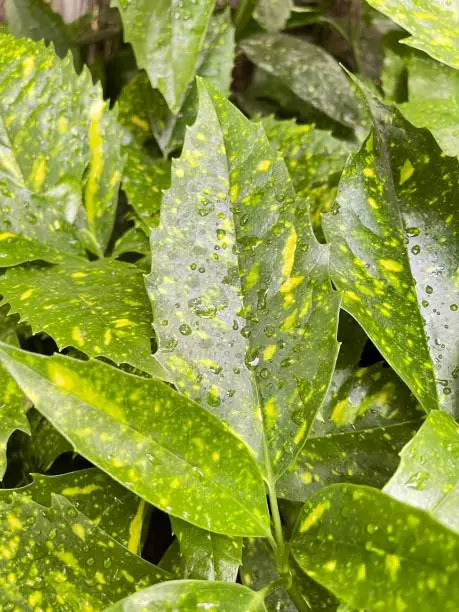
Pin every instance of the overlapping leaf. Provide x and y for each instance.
(100, 308)
(53, 202)
(156, 442)
(428, 475)
(272, 15)
(433, 25)
(206, 555)
(167, 38)
(309, 71)
(375, 552)
(393, 233)
(244, 312)
(184, 595)
(57, 558)
(113, 508)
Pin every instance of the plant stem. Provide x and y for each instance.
(279, 550)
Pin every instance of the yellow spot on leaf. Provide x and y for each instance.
(79, 530)
(253, 276)
(234, 192)
(179, 172)
(215, 456)
(96, 164)
(264, 165)
(78, 274)
(392, 563)
(26, 294)
(289, 322)
(100, 578)
(122, 323)
(300, 434)
(269, 352)
(314, 516)
(27, 66)
(62, 125)
(14, 523)
(406, 171)
(141, 123)
(77, 336)
(372, 202)
(330, 566)
(288, 253)
(391, 265)
(135, 528)
(74, 491)
(306, 477)
(352, 296)
(369, 172)
(35, 598)
(107, 337)
(6, 235)
(291, 283)
(361, 573)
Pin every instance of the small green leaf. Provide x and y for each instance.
(173, 463)
(375, 552)
(53, 202)
(187, 595)
(428, 475)
(167, 38)
(56, 557)
(272, 15)
(434, 25)
(67, 303)
(133, 240)
(102, 500)
(392, 232)
(207, 556)
(240, 286)
(309, 71)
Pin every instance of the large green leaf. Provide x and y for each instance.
(272, 15)
(188, 595)
(375, 552)
(13, 403)
(68, 303)
(357, 435)
(56, 558)
(428, 475)
(309, 71)
(243, 307)
(53, 202)
(113, 508)
(167, 37)
(392, 234)
(206, 555)
(156, 442)
(433, 24)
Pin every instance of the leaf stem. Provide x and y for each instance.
(279, 550)
(243, 13)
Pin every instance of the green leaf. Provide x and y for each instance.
(13, 403)
(309, 71)
(133, 240)
(357, 436)
(391, 234)
(375, 552)
(56, 557)
(67, 303)
(240, 286)
(102, 500)
(207, 556)
(272, 15)
(52, 202)
(259, 569)
(428, 475)
(187, 595)
(167, 38)
(434, 26)
(173, 463)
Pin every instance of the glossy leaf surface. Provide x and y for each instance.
(244, 313)
(206, 555)
(167, 38)
(310, 72)
(70, 304)
(158, 457)
(113, 508)
(428, 475)
(375, 552)
(53, 203)
(187, 595)
(56, 557)
(393, 233)
(433, 25)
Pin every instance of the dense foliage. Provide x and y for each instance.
(229, 306)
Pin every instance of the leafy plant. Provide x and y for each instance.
(232, 384)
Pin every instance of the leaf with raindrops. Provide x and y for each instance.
(392, 232)
(244, 311)
(156, 442)
(375, 552)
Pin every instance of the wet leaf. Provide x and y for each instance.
(357, 436)
(375, 552)
(158, 457)
(113, 508)
(434, 26)
(259, 569)
(67, 303)
(206, 555)
(185, 595)
(428, 475)
(309, 71)
(56, 556)
(272, 15)
(392, 233)
(53, 203)
(243, 308)
(167, 38)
